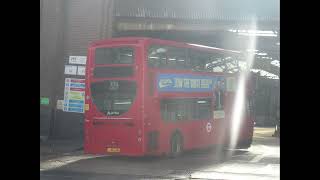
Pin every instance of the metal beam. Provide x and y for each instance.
(266, 66)
(142, 24)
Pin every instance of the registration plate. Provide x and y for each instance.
(113, 149)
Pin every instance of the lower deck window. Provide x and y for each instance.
(178, 109)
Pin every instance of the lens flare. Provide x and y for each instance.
(240, 99)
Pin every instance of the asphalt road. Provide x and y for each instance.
(260, 161)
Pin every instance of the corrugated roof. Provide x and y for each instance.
(233, 10)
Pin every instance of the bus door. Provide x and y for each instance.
(219, 119)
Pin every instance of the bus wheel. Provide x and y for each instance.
(176, 145)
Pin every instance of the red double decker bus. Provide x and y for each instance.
(149, 96)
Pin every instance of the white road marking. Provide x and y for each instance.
(257, 158)
(62, 161)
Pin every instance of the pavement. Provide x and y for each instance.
(261, 161)
(56, 148)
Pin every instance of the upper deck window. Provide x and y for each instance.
(114, 55)
(169, 57)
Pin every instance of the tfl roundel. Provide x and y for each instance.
(209, 127)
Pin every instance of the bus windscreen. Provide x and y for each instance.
(113, 98)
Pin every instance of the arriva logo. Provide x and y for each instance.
(110, 113)
(165, 83)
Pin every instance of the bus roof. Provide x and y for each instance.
(139, 39)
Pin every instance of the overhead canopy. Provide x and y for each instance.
(208, 22)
